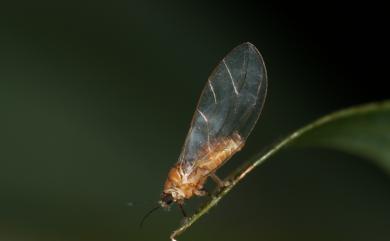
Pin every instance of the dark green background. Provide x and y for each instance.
(96, 99)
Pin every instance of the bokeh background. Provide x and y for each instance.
(96, 98)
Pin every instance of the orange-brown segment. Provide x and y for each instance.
(184, 182)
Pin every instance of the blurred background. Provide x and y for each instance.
(96, 99)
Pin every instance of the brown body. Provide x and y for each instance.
(184, 182)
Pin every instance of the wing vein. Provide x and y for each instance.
(231, 77)
(212, 90)
(208, 130)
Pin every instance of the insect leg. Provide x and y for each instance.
(218, 181)
(182, 210)
(202, 192)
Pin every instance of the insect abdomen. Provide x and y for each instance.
(220, 152)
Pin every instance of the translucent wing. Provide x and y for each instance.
(230, 103)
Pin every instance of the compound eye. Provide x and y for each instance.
(167, 198)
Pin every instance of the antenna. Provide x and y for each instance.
(147, 215)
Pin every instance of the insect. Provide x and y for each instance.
(226, 113)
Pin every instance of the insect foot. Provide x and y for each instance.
(221, 184)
